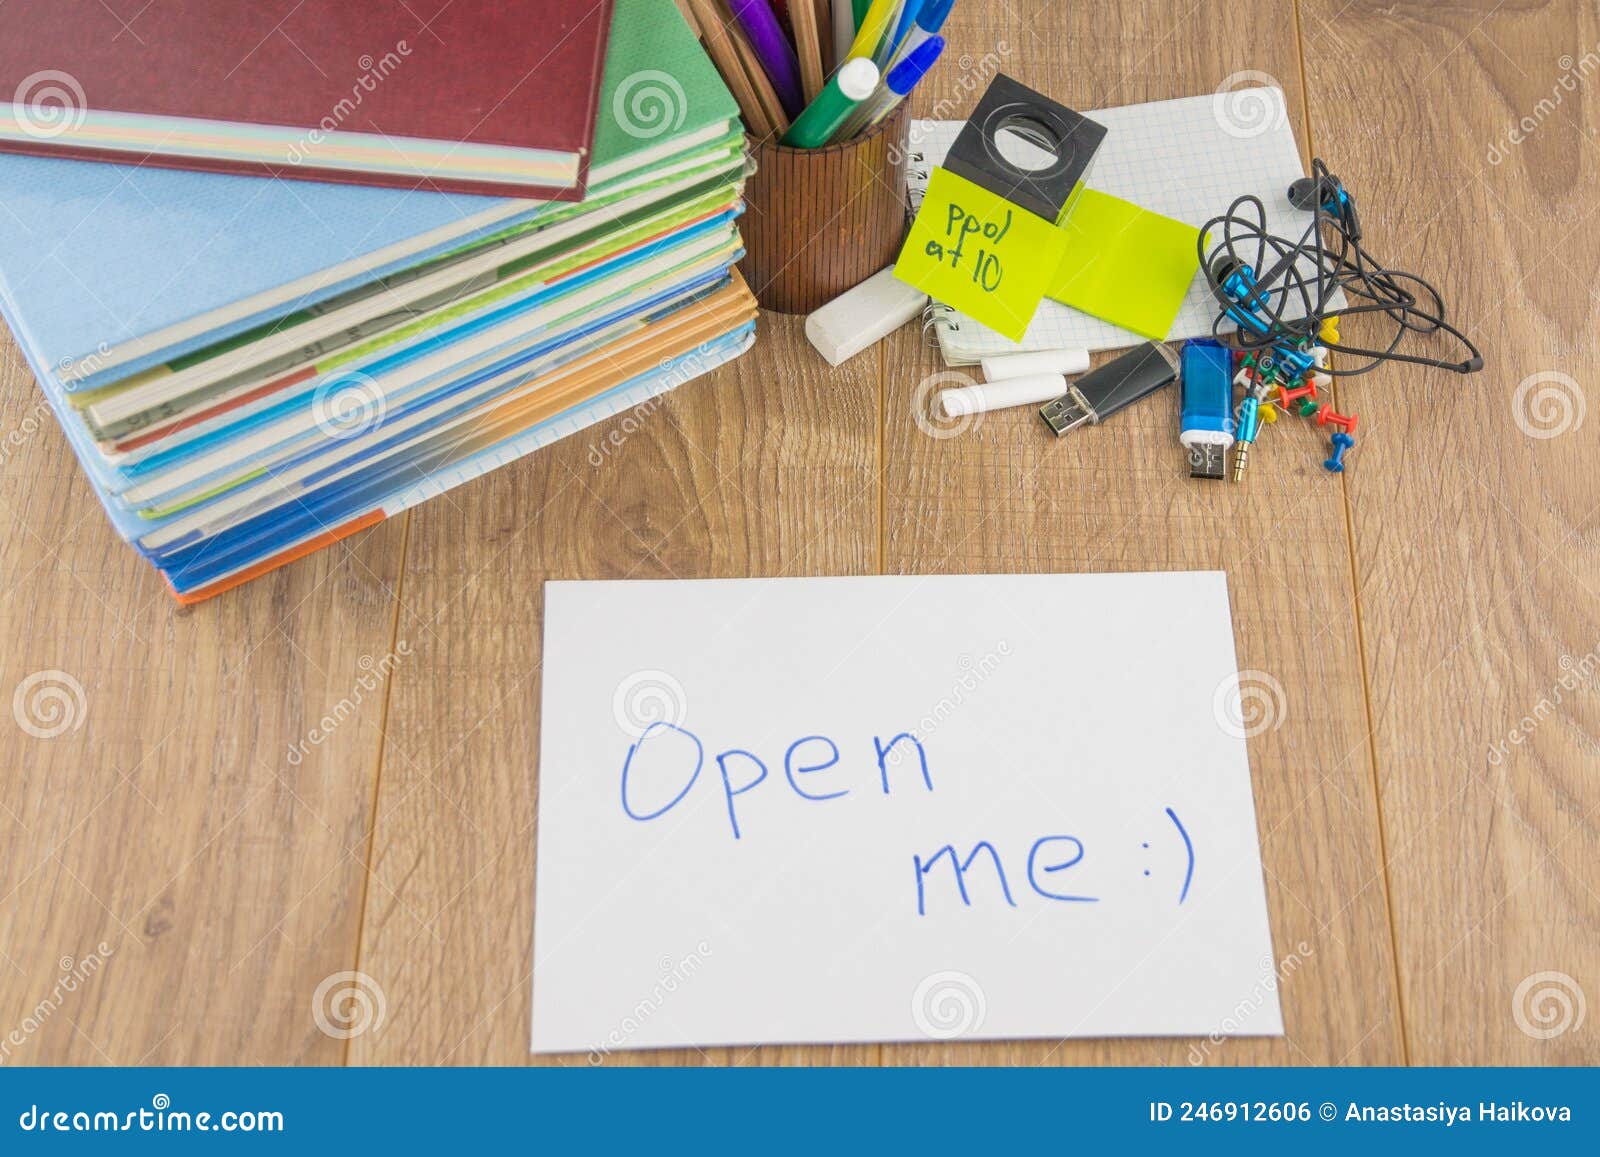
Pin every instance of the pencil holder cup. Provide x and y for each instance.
(820, 221)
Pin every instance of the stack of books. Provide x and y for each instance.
(250, 368)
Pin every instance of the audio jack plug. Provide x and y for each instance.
(1249, 426)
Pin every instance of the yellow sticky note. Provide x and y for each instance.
(980, 254)
(1124, 264)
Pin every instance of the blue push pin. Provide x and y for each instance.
(1341, 443)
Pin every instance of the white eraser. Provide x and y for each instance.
(863, 316)
(978, 399)
(1003, 366)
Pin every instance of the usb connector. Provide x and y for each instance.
(1206, 424)
(1114, 386)
(1067, 412)
(1208, 460)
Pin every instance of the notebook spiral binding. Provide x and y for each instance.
(936, 318)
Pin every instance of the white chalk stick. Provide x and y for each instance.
(979, 399)
(1003, 366)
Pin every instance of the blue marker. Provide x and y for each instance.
(902, 78)
(929, 18)
(908, 15)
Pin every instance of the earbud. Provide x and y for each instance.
(1325, 191)
(1303, 194)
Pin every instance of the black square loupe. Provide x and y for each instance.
(1009, 106)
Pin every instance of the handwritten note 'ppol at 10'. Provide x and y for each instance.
(978, 253)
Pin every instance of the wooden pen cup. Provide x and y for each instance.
(820, 221)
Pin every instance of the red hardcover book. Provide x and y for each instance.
(476, 96)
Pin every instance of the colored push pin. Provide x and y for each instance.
(1341, 444)
(1287, 395)
(1269, 413)
(1329, 331)
(1327, 417)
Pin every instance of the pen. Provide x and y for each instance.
(902, 78)
(772, 49)
(908, 16)
(870, 32)
(851, 85)
(929, 20)
(844, 29)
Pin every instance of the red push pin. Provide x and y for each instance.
(1326, 417)
(1309, 390)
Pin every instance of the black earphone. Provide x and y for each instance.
(1252, 271)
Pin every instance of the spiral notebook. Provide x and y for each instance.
(1186, 159)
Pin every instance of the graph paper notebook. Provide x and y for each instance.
(1187, 159)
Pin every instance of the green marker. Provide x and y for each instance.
(851, 85)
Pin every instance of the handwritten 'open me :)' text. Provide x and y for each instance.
(662, 767)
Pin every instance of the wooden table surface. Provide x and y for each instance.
(1427, 795)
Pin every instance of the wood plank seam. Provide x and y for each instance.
(1359, 623)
